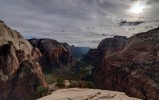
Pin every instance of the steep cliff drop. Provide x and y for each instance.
(131, 67)
(20, 74)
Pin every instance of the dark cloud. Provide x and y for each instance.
(130, 23)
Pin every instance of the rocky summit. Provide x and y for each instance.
(20, 74)
(129, 65)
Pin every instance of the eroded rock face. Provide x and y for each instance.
(20, 74)
(54, 54)
(133, 69)
(106, 46)
(37, 54)
(112, 44)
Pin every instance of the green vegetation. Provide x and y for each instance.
(79, 69)
(74, 72)
(60, 82)
(90, 85)
(41, 91)
(49, 78)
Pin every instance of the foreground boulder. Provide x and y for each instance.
(132, 67)
(20, 74)
(50, 53)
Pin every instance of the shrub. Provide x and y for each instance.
(41, 91)
(90, 85)
(49, 78)
(60, 82)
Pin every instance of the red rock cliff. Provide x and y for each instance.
(106, 46)
(20, 74)
(54, 54)
(134, 68)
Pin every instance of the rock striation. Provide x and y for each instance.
(20, 74)
(131, 66)
(50, 53)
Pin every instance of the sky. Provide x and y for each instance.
(80, 22)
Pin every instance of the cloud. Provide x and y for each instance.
(77, 22)
(130, 23)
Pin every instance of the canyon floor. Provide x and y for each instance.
(87, 94)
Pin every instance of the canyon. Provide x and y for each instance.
(129, 65)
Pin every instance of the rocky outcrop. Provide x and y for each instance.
(20, 74)
(132, 67)
(106, 46)
(50, 53)
(37, 54)
(87, 94)
(110, 45)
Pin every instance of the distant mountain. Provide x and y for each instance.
(51, 53)
(78, 52)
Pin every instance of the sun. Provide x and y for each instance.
(137, 7)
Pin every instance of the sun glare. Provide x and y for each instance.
(137, 7)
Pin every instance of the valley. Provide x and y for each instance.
(36, 68)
